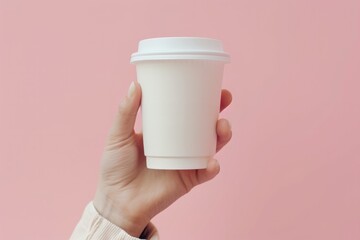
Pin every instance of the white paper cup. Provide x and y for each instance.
(180, 80)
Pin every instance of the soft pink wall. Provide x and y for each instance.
(292, 170)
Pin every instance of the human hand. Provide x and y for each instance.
(128, 193)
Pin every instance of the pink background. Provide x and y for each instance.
(292, 170)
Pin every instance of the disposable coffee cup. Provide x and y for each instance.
(180, 78)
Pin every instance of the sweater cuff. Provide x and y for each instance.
(93, 226)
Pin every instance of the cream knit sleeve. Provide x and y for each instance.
(92, 226)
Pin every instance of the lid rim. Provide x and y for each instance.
(223, 58)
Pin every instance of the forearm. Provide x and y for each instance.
(94, 226)
(120, 214)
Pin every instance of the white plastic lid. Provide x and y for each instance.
(172, 48)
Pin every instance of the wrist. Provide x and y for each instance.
(120, 214)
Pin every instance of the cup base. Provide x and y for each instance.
(177, 163)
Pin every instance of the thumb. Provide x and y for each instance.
(123, 126)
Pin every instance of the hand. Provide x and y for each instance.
(129, 194)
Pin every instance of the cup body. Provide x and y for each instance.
(180, 107)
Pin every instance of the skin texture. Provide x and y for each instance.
(130, 195)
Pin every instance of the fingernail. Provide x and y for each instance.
(230, 125)
(131, 90)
